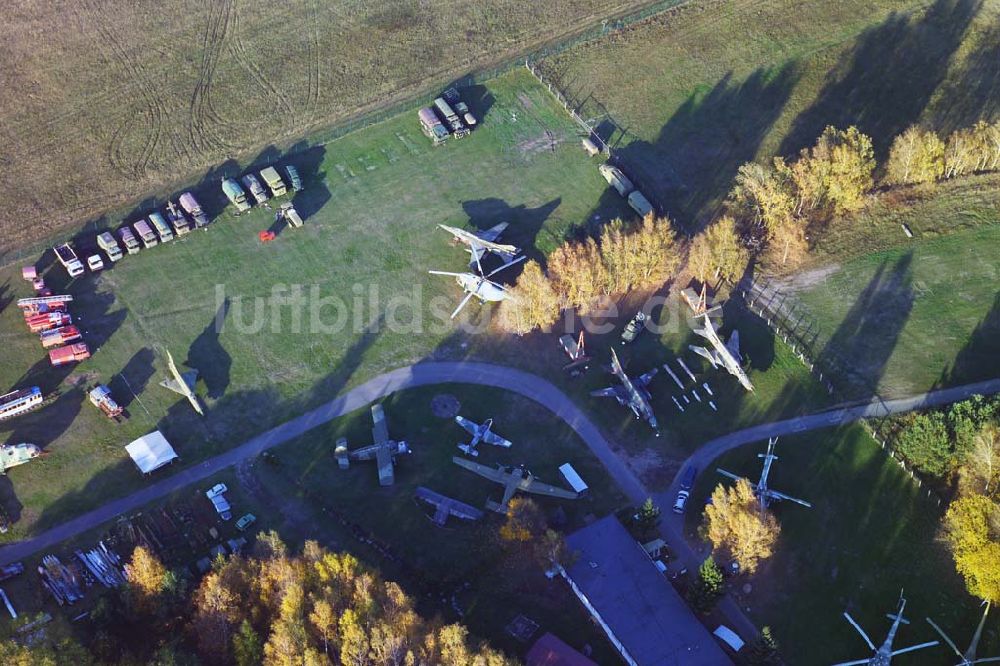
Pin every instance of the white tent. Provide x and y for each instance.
(151, 452)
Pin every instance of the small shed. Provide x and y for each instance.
(151, 452)
(573, 479)
(590, 147)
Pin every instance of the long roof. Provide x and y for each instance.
(636, 601)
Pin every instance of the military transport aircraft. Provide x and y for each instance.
(446, 506)
(478, 243)
(480, 433)
(765, 494)
(383, 451)
(727, 355)
(969, 657)
(513, 479)
(883, 654)
(633, 393)
(479, 286)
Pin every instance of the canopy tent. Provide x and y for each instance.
(151, 452)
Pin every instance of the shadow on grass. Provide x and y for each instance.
(209, 356)
(525, 224)
(973, 92)
(883, 84)
(858, 351)
(979, 359)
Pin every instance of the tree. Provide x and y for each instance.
(852, 163)
(525, 521)
(288, 641)
(647, 517)
(971, 525)
(716, 253)
(763, 650)
(655, 251)
(960, 153)
(323, 618)
(247, 647)
(965, 419)
(147, 578)
(578, 274)
(916, 156)
(925, 442)
(984, 457)
(739, 527)
(768, 196)
(532, 303)
(708, 588)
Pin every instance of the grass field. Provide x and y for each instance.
(870, 532)
(127, 98)
(693, 94)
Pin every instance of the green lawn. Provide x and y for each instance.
(870, 532)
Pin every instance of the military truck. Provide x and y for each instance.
(146, 233)
(161, 226)
(110, 246)
(67, 257)
(273, 180)
(288, 213)
(616, 179)
(451, 118)
(640, 204)
(236, 195)
(128, 239)
(193, 208)
(431, 126)
(177, 219)
(293, 178)
(256, 189)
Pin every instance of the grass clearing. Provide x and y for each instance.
(870, 532)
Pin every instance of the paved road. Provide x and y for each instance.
(526, 384)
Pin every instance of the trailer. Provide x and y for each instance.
(110, 246)
(146, 233)
(431, 126)
(616, 179)
(451, 118)
(273, 180)
(256, 189)
(193, 208)
(67, 257)
(161, 226)
(59, 336)
(73, 353)
(44, 322)
(128, 239)
(236, 195)
(177, 219)
(20, 401)
(100, 397)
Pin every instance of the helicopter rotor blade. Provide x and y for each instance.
(509, 263)
(464, 302)
(445, 273)
(914, 648)
(945, 637)
(860, 630)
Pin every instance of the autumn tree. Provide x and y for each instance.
(247, 647)
(916, 156)
(739, 527)
(656, 252)
(763, 649)
(852, 163)
(767, 196)
(525, 521)
(532, 303)
(984, 457)
(578, 274)
(971, 525)
(716, 253)
(960, 153)
(147, 579)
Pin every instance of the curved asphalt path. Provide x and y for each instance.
(529, 386)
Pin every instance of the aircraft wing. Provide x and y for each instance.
(496, 440)
(491, 473)
(452, 506)
(492, 233)
(380, 430)
(383, 459)
(781, 496)
(539, 488)
(467, 424)
(732, 476)
(733, 345)
(643, 380)
(610, 392)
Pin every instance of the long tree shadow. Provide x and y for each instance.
(690, 167)
(979, 359)
(858, 351)
(973, 92)
(133, 377)
(884, 83)
(524, 223)
(209, 356)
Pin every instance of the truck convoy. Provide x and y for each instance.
(67, 257)
(236, 195)
(110, 246)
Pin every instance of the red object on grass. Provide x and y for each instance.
(266, 236)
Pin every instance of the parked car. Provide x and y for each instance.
(690, 474)
(217, 496)
(634, 327)
(95, 263)
(245, 522)
(681, 502)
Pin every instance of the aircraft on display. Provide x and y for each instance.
(383, 450)
(480, 285)
(883, 654)
(480, 433)
(478, 243)
(765, 494)
(446, 506)
(969, 657)
(633, 393)
(182, 383)
(725, 354)
(513, 479)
